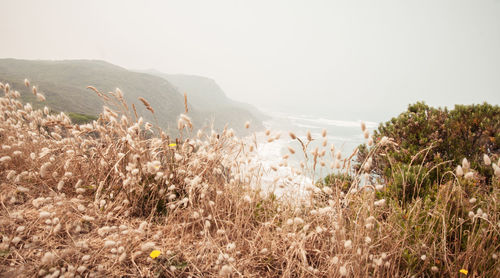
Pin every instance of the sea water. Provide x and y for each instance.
(345, 135)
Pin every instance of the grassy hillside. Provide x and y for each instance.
(64, 84)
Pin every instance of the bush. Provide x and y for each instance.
(78, 118)
(339, 180)
(430, 142)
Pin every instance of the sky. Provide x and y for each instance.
(347, 60)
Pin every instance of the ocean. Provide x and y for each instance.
(288, 179)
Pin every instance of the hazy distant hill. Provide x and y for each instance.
(64, 84)
(205, 94)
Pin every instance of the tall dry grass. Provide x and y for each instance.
(95, 200)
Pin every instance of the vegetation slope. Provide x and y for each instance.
(64, 83)
(112, 199)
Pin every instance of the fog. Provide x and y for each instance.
(346, 60)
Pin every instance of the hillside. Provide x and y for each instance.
(64, 84)
(206, 95)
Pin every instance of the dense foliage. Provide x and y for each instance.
(78, 118)
(430, 142)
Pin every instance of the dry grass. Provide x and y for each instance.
(94, 200)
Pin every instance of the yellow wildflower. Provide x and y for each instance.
(464, 271)
(172, 145)
(155, 253)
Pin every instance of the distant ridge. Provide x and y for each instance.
(205, 94)
(64, 84)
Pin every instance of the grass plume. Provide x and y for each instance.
(107, 198)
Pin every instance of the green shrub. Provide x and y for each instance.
(78, 118)
(431, 142)
(339, 180)
(409, 180)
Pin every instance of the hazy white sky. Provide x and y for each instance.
(348, 59)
